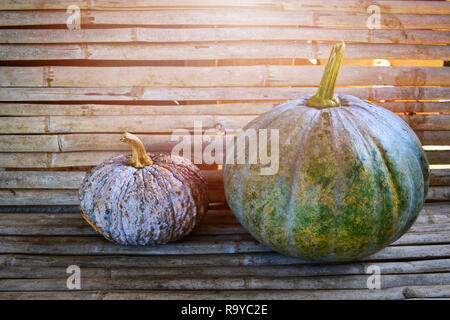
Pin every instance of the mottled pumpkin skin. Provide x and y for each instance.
(351, 180)
(159, 203)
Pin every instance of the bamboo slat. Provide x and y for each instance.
(166, 123)
(165, 35)
(301, 270)
(395, 293)
(412, 7)
(175, 94)
(153, 143)
(205, 51)
(245, 17)
(244, 76)
(73, 180)
(50, 197)
(21, 109)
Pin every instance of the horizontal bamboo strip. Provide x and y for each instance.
(205, 51)
(247, 76)
(246, 17)
(301, 270)
(29, 143)
(21, 109)
(439, 157)
(54, 197)
(228, 283)
(88, 245)
(153, 143)
(166, 123)
(159, 35)
(73, 179)
(434, 137)
(72, 224)
(175, 94)
(395, 293)
(428, 122)
(48, 197)
(415, 7)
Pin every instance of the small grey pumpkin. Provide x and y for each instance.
(143, 199)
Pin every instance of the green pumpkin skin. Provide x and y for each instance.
(352, 179)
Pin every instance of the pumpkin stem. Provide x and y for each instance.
(139, 159)
(325, 98)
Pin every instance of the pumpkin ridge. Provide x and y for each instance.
(120, 200)
(365, 140)
(260, 233)
(412, 154)
(413, 143)
(106, 197)
(153, 172)
(294, 169)
(99, 174)
(191, 193)
(177, 228)
(187, 174)
(401, 223)
(336, 122)
(230, 171)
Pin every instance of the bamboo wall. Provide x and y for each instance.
(152, 66)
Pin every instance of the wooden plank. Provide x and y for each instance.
(208, 50)
(24, 160)
(30, 197)
(241, 94)
(93, 158)
(29, 143)
(418, 7)
(428, 122)
(239, 260)
(427, 292)
(22, 109)
(36, 4)
(440, 177)
(435, 292)
(166, 123)
(439, 157)
(412, 7)
(434, 137)
(246, 76)
(67, 179)
(23, 124)
(94, 245)
(111, 142)
(54, 197)
(21, 77)
(72, 224)
(243, 16)
(229, 283)
(438, 194)
(72, 179)
(159, 123)
(130, 273)
(391, 293)
(42, 52)
(165, 35)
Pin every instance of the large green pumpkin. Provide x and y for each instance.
(352, 177)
